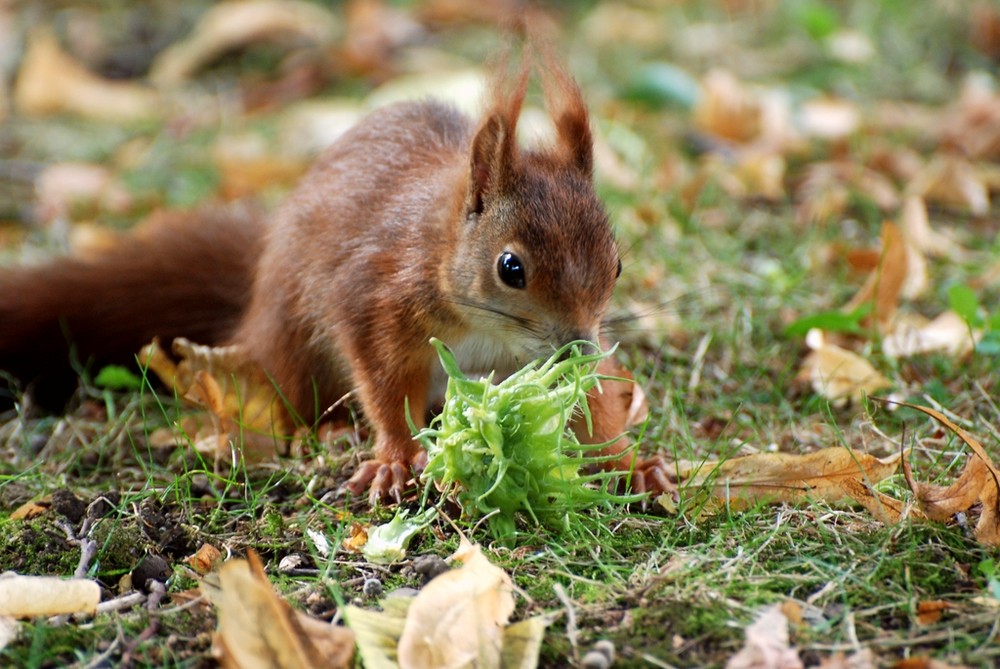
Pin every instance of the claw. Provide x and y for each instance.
(650, 475)
(654, 476)
(383, 480)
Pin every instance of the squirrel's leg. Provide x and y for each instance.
(610, 410)
(397, 453)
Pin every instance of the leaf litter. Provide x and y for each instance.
(742, 120)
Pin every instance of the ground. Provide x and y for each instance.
(750, 155)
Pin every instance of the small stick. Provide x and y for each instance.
(571, 630)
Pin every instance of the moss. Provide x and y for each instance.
(121, 543)
(36, 547)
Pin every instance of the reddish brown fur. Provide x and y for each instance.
(177, 276)
(393, 238)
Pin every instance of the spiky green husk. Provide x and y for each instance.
(504, 448)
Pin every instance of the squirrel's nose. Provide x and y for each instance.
(587, 341)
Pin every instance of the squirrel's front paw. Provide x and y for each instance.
(652, 475)
(385, 479)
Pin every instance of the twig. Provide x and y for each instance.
(571, 630)
(156, 593)
(88, 549)
(99, 660)
(121, 603)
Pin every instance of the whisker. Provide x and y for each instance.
(525, 324)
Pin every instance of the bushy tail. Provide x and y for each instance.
(176, 275)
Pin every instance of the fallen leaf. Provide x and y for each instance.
(458, 618)
(727, 109)
(204, 559)
(917, 229)
(378, 632)
(952, 181)
(930, 612)
(8, 626)
(374, 32)
(972, 125)
(863, 659)
(31, 596)
(838, 374)
(925, 663)
(463, 88)
(242, 403)
(356, 538)
(767, 644)
(914, 335)
(32, 509)
(231, 25)
(259, 630)
(832, 474)
(978, 483)
(825, 189)
(64, 189)
(50, 82)
(247, 167)
(883, 286)
(828, 118)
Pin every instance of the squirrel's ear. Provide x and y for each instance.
(565, 105)
(489, 162)
(575, 141)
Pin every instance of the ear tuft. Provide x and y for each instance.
(494, 147)
(565, 105)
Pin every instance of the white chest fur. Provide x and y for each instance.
(477, 356)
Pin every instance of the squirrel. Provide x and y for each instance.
(417, 222)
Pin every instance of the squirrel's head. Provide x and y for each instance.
(539, 257)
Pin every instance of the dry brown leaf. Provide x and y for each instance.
(838, 374)
(32, 509)
(243, 404)
(357, 537)
(914, 335)
(825, 190)
(65, 189)
(884, 284)
(831, 474)
(930, 612)
(972, 124)
(829, 118)
(8, 626)
(863, 659)
(231, 25)
(50, 82)
(925, 663)
(767, 644)
(952, 181)
(727, 109)
(31, 596)
(205, 559)
(374, 32)
(259, 630)
(978, 482)
(459, 617)
(762, 175)
(917, 229)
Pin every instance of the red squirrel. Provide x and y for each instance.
(416, 223)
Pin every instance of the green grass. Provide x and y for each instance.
(712, 285)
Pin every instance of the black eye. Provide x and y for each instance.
(619, 273)
(511, 270)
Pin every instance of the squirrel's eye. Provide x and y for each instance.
(619, 273)
(511, 270)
